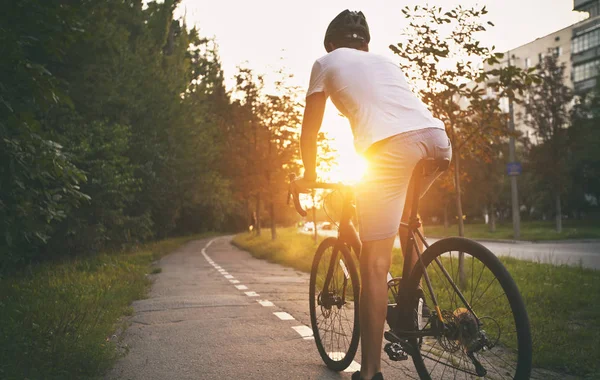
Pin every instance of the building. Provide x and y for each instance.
(530, 55)
(576, 46)
(585, 46)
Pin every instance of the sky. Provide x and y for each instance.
(259, 33)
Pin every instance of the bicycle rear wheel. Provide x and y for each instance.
(486, 332)
(334, 313)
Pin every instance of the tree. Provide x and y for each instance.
(584, 139)
(442, 58)
(39, 184)
(281, 118)
(548, 114)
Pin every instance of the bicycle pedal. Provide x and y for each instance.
(395, 352)
(390, 336)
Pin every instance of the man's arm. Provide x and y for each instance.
(311, 124)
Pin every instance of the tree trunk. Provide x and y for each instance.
(492, 218)
(445, 218)
(461, 227)
(273, 228)
(558, 214)
(257, 215)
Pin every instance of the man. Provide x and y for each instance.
(393, 129)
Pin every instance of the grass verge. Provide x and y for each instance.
(562, 302)
(530, 231)
(56, 319)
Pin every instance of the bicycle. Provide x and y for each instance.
(469, 332)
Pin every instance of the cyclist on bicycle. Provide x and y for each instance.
(393, 129)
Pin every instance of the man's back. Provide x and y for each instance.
(372, 92)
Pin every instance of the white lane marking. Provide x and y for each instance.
(210, 242)
(241, 287)
(228, 276)
(252, 294)
(304, 331)
(217, 267)
(234, 281)
(266, 303)
(337, 356)
(353, 367)
(283, 316)
(225, 274)
(221, 270)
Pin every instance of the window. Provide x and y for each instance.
(586, 71)
(585, 41)
(527, 63)
(556, 52)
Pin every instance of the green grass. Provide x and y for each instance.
(56, 319)
(533, 231)
(562, 302)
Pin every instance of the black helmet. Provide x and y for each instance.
(347, 26)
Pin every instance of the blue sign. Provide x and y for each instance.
(514, 168)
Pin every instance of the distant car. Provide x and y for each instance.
(309, 226)
(326, 226)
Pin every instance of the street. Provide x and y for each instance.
(584, 253)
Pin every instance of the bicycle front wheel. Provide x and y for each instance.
(334, 309)
(485, 331)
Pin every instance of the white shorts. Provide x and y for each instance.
(381, 195)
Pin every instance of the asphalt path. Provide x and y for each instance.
(576, 252)
(215, 312)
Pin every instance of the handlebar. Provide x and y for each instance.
(295, 195)
(316, 185)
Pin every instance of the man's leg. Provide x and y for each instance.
(375, 260)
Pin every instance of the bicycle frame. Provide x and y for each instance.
(348, 236)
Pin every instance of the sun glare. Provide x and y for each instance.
(350, 167)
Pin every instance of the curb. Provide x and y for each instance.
(509, 241)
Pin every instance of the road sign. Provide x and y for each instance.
(514, 168)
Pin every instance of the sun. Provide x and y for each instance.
(350, 166)
(350, 169)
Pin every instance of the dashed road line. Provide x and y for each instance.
(353, 367)
(283, 316)
(304, 331)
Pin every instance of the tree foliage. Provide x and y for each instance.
(451, 71)
(116, 127)
(548, 114)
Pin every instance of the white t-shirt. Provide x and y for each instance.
(372, 92)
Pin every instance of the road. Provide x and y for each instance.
(215, 312)
(584, 253)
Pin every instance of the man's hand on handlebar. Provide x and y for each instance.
(302, 185)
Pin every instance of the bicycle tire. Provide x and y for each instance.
(443, 250)
(332, 356)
